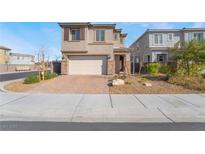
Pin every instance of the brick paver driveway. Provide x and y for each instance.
(82, 84)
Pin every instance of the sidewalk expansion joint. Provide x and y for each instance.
(13, 100)
(140, 101)
(111, 104)
(165, 115)
(72, 117)
(185, 101)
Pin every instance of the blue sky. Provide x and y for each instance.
(30, 37)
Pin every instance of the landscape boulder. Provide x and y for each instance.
(147, 84)
(118, 82)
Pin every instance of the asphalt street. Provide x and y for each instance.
(73, 126)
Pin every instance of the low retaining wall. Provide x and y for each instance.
(15, 75)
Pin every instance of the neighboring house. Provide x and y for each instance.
(4, 55)
(154, 44)
(21, 59)
(93, 49)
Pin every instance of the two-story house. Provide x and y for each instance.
(93, 49)
(4, 55)
(153, 45)
(21, 59)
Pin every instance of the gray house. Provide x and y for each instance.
(153, 45)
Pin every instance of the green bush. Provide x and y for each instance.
(165, 69)
(153, 68)
(203, 75)
(50, 75)
(33, 78)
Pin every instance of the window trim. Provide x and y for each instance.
(100, 35)
(115, 36)
(159, 43)
(163, 57)
(197, 34)
(168, 39)
(76, 29)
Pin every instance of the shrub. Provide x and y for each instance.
(122, 76)
(153, 68)
(142, 80)
(33, 78)
(50, 75)
(195, 83)
(203, 75)
(165, 69)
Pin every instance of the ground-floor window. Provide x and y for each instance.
(147, 59)
(161, 58)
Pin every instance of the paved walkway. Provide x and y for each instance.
(102, 107)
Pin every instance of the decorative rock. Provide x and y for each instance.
(147, 84)
(118, 82)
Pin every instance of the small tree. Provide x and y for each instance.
(189, 56)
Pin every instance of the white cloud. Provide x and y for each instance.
(198, 25)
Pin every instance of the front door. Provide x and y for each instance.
(121, 63)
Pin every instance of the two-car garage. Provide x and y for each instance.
(87, 65)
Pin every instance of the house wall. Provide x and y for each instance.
(14, 59)
(189, 35)
(145, 44)
(4, 56)
(89, 46)
(166, 43)
(117, 43)
(74, 45)
(140, 48)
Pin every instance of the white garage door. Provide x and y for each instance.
(91, 65)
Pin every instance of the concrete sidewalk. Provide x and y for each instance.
(102, 107)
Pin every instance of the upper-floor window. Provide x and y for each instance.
(170, 37)
(115, 37)
(158, 39)
(100, 35)
(198, 36)
(75, 34)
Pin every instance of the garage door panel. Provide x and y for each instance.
(93, 65)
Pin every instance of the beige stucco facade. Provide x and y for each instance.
(4, 55)
(113, 42)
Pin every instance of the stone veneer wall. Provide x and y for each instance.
(110, 67)
(128, 67)
(64, 67)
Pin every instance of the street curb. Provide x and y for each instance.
(2, 89)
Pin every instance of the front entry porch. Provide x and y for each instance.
(122, 61)
(119, 64)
